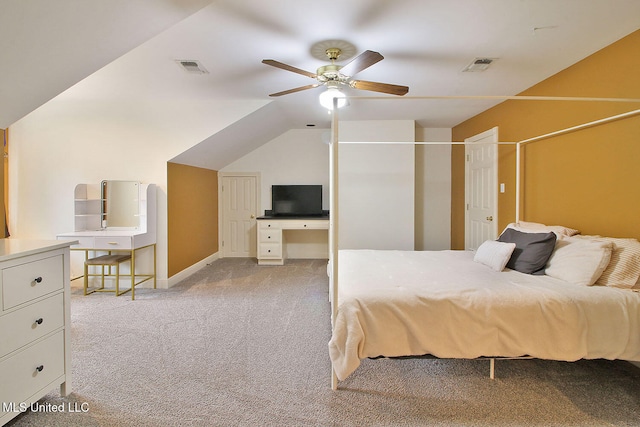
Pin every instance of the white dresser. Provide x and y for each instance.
(35, 322)
(271, 240)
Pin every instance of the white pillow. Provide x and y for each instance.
(494, 254)
(536, 227)
(623, 270)
(579, 261)
(624, 267)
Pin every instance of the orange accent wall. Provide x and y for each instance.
(192, 215)
(587, 179)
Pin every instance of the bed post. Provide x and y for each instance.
(562, 132)
(518, 181)
(333, 225)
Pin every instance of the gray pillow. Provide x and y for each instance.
(532, 251)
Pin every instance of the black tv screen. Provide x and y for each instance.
(296, 200)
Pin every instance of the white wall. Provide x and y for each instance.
(433, 190)
(301, 156)
(376, 185)
(298, 156)
(71, 140)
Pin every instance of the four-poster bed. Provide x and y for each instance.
(457, 304)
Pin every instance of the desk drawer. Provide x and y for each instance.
(31, 280)
(269, 250)
(263, 225)
(314, 224)
(270, 236)
(84, 242)
(22, 371)
(113, 243)
(34, 321)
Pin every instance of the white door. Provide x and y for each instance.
(239, 209)
(481, 215)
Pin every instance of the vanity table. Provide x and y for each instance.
(118, 217)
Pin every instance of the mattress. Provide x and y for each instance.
(442, 303)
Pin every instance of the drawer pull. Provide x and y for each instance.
(40, 368)
(113, 243)
(39, 321)
(38, 279)
(268, 237)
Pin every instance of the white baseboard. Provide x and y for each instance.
(176, 278)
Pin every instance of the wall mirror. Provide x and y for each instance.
(120, 204)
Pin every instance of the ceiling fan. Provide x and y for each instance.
(334, 76)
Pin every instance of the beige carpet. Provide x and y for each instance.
(239, 344)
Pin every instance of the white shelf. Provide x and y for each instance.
(87, 207)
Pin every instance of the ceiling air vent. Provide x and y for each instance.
(192, 66)
(479, 64)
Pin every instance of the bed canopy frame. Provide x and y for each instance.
(334, 175)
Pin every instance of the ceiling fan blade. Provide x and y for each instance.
(365, 60)
(379, 87)
(298, 89)
(286, 67)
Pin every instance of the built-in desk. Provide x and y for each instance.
(271, 239)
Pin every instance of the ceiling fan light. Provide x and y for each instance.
(326, 98)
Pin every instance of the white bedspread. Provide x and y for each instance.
(397, 303)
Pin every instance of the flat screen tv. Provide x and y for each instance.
(296, 200)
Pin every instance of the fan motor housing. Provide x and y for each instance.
(329, 73)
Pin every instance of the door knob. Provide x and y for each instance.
(252, 216)
(489, 218)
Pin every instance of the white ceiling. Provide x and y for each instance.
(128, 51)
(48, 46)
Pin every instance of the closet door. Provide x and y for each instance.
(239, 209)
(481, 188)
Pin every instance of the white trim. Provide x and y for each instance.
(178, 277)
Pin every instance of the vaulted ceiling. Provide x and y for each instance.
(118, 50)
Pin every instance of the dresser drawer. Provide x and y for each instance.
(34, 321)
(269, 250)
(270, 236)
(25, 282)
(113, 243)
(32, 369)
(269, 225)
